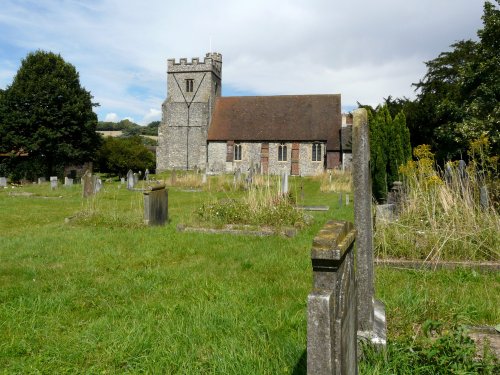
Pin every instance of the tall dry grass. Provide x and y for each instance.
(335, 180)
(441, 216)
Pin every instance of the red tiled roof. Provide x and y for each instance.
(277, 118)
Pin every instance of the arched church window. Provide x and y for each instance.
(237, 151)
(282, 152)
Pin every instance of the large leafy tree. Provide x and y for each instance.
(458, 98)
(118, 155)
(49, 115)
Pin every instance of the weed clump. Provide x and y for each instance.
(443, 216)
(255, 208)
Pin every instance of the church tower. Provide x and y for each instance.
(191, 91)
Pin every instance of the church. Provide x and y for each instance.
(200, 129)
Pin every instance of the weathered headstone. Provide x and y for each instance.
(68, 181)
(97, 185)
(368, 326)
(340, 200)
(53, 182)
(204, 179)
(122, 180)
(130, 180)
(87, 184)
(146, 175)
(284, 184)
(3, 181)
(136, 178)
(347, 199)
(41, 180)
(484, 198)
(332, 304)
(156, 206)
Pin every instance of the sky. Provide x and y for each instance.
(364, 50)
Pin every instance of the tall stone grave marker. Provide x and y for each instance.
(68, 181)
(130, 180)
(156, 206)
(53, 182)
(3, 181)
(88, 184)
(371, 313)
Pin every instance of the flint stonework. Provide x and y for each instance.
(332, 304)
(363, 218)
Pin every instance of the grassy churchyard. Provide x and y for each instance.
(86, 288)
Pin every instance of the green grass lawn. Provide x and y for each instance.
(112, 296)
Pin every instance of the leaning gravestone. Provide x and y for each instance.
(156, 206)
(371, 313)
(53, 182)
(3, 181)
(130, 180)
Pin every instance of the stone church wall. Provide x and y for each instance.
(250, 155)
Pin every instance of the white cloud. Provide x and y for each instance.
(362, 49)
(111, 117)
(152, 115)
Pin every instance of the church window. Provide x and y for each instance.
(189, 85)
(316, 152)
(237, 151)
(282, 152)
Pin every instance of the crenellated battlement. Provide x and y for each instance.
(211, 62)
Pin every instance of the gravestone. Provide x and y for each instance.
(3, 181)
(122, 180)
(41, 180)
(146, 175)
(88, 184)
(97, 185)
(340, 200)
(347, 199)
(156, 206)
(371, 313)
(53, 182)
(130, 180)
(68, 181)
(136, 178)
(204, 179)
(284, 184)
(332, 304)
(484, 198)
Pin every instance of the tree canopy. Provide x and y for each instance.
(47, 114)
(458, 98)
(118, 155)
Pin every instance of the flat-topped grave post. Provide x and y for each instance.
(371, 313)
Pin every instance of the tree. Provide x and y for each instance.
(118, 155)
(389, 147)
(48, 115)
(459, 96)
